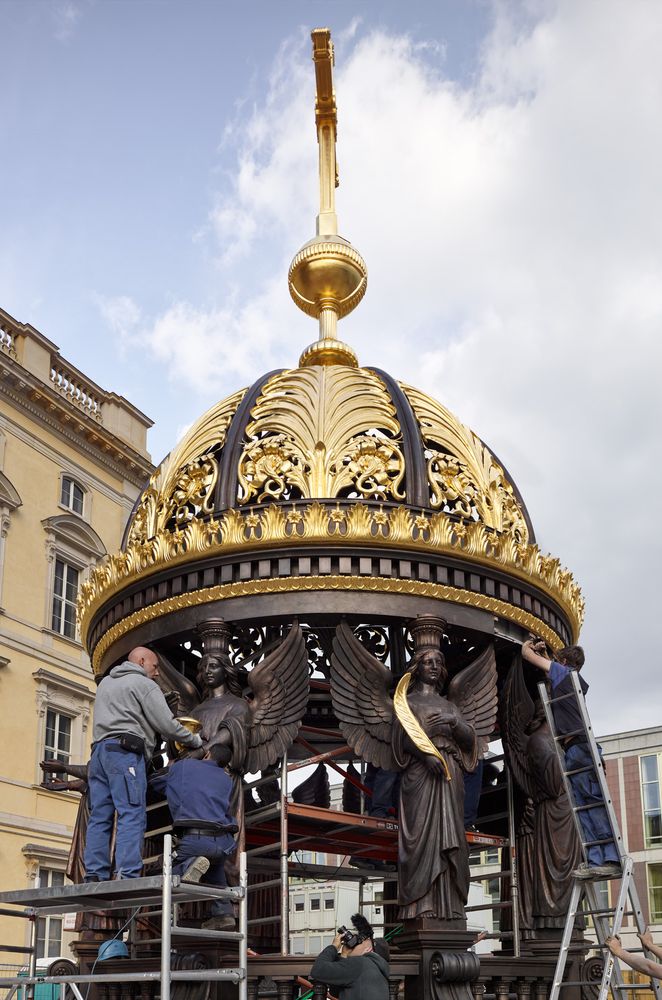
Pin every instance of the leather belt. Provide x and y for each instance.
(205, 831)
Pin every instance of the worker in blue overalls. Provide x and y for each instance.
(198, 795)
(602, 858)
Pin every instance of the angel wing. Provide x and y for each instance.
(360, 698)
(280, 694)
(171, 680)
(516, 712)
(474, 692)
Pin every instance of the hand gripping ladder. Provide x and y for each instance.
(607, 920)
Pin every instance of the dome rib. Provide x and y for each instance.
(226, 496)
(416, 480)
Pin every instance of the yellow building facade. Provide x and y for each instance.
(73, 459)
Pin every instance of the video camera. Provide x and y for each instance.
(362, 931)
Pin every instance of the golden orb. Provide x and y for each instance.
(327, 272)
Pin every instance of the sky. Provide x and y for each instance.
(500, 168)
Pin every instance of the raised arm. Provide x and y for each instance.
(647, 941)
(532, 656)
(636, 962)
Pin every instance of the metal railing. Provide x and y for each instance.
(163, 891)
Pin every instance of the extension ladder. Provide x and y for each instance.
(607, 920)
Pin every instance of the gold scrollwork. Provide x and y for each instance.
(193, 491)
(464, 476)
(250, 588)
(185, 471)
(322, 432)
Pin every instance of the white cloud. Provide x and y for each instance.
(511, 227)
(121, 313)
(65, 19)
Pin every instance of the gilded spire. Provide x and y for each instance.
(327, 277)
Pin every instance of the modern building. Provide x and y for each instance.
(318, 907)
(73, 459)
(632, 761)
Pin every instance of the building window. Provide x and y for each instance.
(65, 594)
(492, 888)
(314, 902)
(650, 797)
(72, 495)
(601, 890)
(49, 929)
(329, 903)
(314, 945)
(655, 893)
(57, 741)
(298, 946)
(299, 904)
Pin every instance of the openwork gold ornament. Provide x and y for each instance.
(183, 484)
(245, 531)
(322, 432)
(463, 474)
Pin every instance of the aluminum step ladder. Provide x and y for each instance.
(606, 920)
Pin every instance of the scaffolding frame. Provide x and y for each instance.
(345, 830)
(163, 890)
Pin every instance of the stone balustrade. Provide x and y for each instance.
(75, 389)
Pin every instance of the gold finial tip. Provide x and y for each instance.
(327, 278)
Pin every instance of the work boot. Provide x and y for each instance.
(611, 869)
(226, 923)
(196, 870)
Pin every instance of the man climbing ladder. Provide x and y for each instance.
(595, 820)
(602, 855)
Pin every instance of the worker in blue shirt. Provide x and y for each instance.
(198, 794)
(603, 861)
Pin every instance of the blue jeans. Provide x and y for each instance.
(215, 849)
(117, 783)
(385, 787)
(586, 791)
(473, 783)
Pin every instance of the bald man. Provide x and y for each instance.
(129, 711)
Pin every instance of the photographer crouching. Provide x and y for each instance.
(355, 962)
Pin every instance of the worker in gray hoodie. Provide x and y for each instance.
(129, 711)
(354, 962)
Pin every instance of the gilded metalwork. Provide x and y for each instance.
(463, 474)
(183, 485)
(294, 584)
(322, 432)
(246, 531)
(412, 726)
(327, 278)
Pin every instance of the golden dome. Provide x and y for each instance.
(331, 455)
(318, 482)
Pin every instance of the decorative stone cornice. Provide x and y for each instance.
(104, 448)
(35, 377)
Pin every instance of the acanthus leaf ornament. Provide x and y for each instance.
(464, 476)
(322, 432)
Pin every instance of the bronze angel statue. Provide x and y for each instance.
(259, 724)
(430, 736)
(548, 847)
